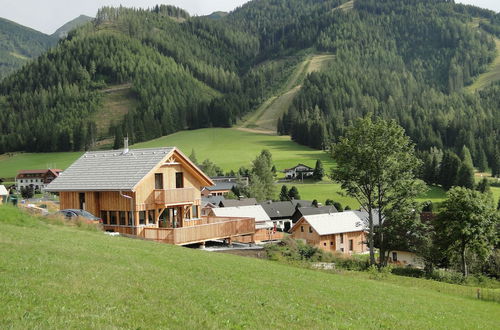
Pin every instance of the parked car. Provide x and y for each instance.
(74, 213)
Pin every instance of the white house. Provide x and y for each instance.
(265, 228)
(3, 194)
(300, 171)
(38, 179)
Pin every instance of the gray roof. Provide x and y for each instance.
(221, 186)
(317, 210)
(215, 200)
(236, 202)
(109, 170)
(279, 209)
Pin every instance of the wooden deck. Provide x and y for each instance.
(202, 230)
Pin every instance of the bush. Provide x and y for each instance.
(408, 272)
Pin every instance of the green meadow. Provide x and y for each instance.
(57, 276)
(230, 149)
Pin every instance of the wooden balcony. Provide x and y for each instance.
(177, 196)
(214, 228)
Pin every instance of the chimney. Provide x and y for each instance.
(125, 146)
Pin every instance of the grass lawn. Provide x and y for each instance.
(327, 190)
(228, 148)
(231, 148)
(66, 277)
(11, 163)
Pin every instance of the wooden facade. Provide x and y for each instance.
(165, 205)
(348, 243)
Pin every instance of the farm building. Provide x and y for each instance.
(152, 193)
(300, 171)
(38, 179)
(265, 228)
(343, 232)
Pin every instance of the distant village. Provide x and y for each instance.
(160, 194)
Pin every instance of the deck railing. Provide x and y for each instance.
(213, 229)
(175, 196)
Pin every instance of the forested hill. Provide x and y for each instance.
(71, 25)
(408, 60)
(18, 44)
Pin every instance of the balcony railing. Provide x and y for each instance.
(175, 196)
(224, 228)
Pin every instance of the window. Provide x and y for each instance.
(351, 245)
(324, 244)
(195, 212)
(310, 229)
(112, 218)
(123, 219)
(302, 228)
(179, 180)
(394, 256)
(142, 217)
(130, 223)
(158, 180)
(331, 243)
(341, 249)
(104, 217)
(341, 238)
(151, 217)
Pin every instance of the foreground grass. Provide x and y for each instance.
(65, 277)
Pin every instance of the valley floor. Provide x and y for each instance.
(55, 276)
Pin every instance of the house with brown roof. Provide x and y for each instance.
(152, 193)
(38, 179)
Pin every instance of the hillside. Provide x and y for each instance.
(18, 45)
(72, 278)
(63, 31)
(403, 60)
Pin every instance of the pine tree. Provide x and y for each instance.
(465, 176)
(118, 143)
(483, 186)
(193, 158)
(319, 171)
(448, 174)
(284, 193)
(293, 193)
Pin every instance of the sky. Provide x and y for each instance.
(48, 15)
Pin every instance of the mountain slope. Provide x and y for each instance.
(19, 44)
(63, 31)
(403, 60)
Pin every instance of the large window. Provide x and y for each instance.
(151, 217)
(130, 222)
(351, 245)
(341, 238)
(179, 180)
(123, 218)
(195, 212)
(112, 218)
(142, 217)
(104, 217)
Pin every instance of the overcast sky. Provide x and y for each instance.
(48, 15)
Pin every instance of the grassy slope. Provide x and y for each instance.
(117, 102)
(491, 75)
(62, 277)
(266, 116)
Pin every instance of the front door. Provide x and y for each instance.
(81, 197)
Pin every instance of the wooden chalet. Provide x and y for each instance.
(343, 232)
(151, 193)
